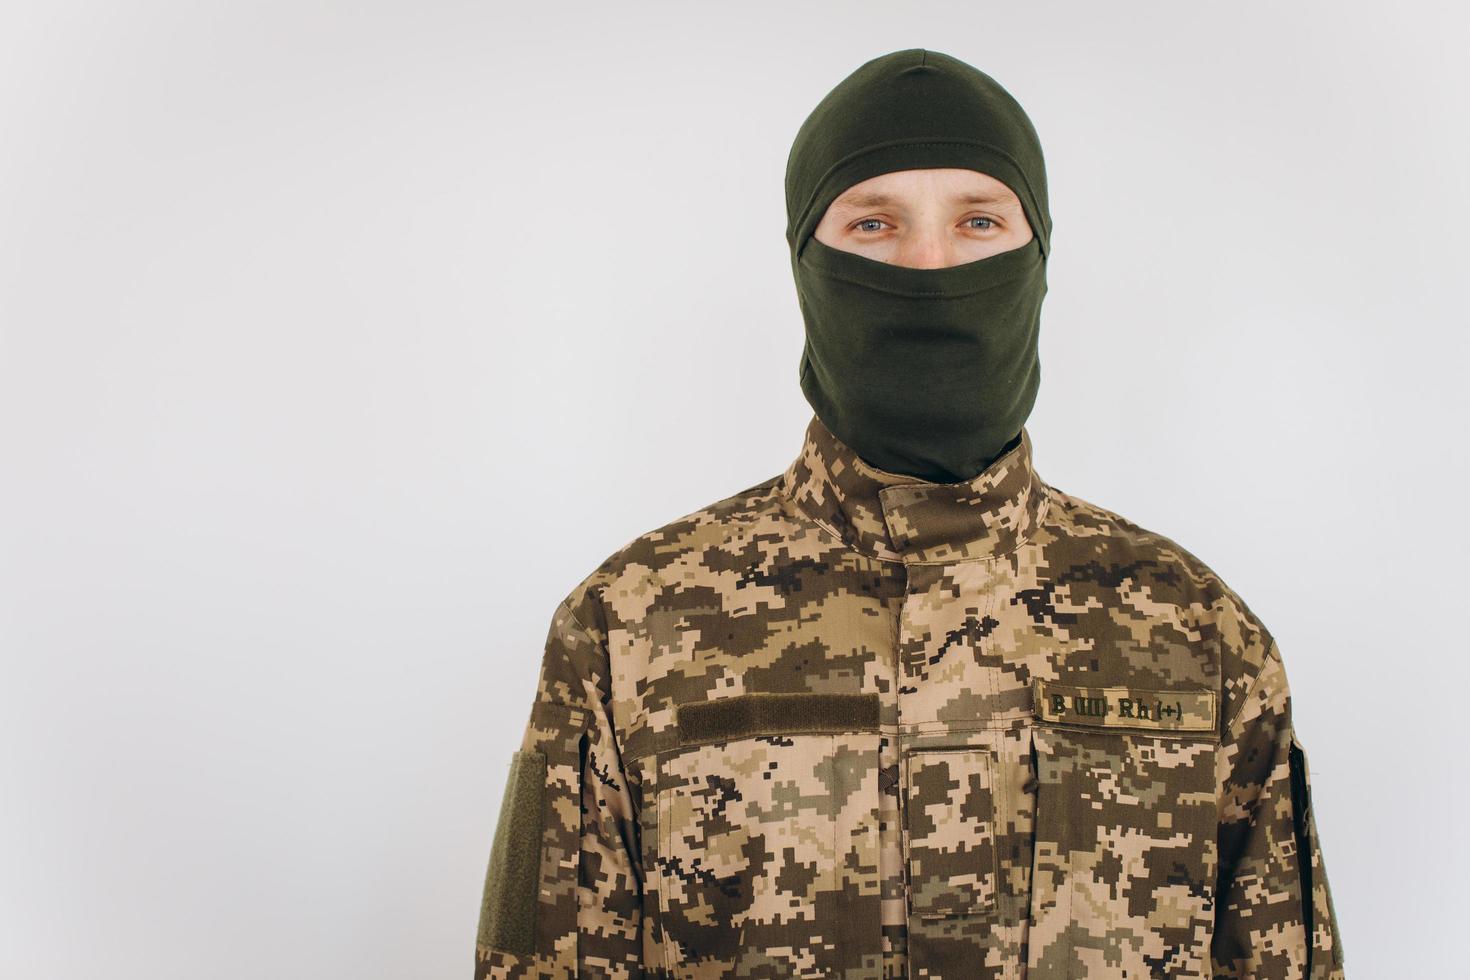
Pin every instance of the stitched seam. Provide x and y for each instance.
(802, 515)
(985, 644)
(989, 757)
(573, 616)
(1021, 540)
(662, 832)
(1072, 885)
(891, 731)
(1271, 653)
(783, 732)
(616, 741)
(792, 506)
(831, 781)
(577, 708)
(1212, 737)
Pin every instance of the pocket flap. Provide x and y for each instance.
(949, 831)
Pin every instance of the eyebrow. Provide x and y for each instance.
(872, 200)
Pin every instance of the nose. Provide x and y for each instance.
(924, 250)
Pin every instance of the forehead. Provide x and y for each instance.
(962, 186)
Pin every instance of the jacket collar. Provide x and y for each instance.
(904, 518)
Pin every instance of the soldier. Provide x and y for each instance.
(905, 709)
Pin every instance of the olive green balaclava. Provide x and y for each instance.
(926, 372)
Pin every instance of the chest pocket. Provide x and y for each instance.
(949, 831)
(766, 854)
(1123, 871)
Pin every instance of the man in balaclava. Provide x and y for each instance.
(904, 709)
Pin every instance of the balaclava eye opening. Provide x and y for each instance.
(927, 372)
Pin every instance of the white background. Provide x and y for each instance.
(338, 341)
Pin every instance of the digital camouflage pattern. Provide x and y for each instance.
(849, 724)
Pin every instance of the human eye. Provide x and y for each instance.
(989, 222)
(861, 225)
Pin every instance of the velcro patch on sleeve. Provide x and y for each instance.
(1126, 708)
(512, 880)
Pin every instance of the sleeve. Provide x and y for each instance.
(563, 890)
(1275, 919)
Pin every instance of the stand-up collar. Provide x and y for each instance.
(904, 518)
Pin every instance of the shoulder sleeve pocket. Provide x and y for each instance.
(508, 907)
(1324, 945)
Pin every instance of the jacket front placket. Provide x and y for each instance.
(963, 714)
(958, 807)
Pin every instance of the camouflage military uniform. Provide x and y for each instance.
(849, 724)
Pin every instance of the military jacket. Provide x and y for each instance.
(848, 723)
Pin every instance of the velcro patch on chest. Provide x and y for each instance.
(785, 713)
(1126, 708)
